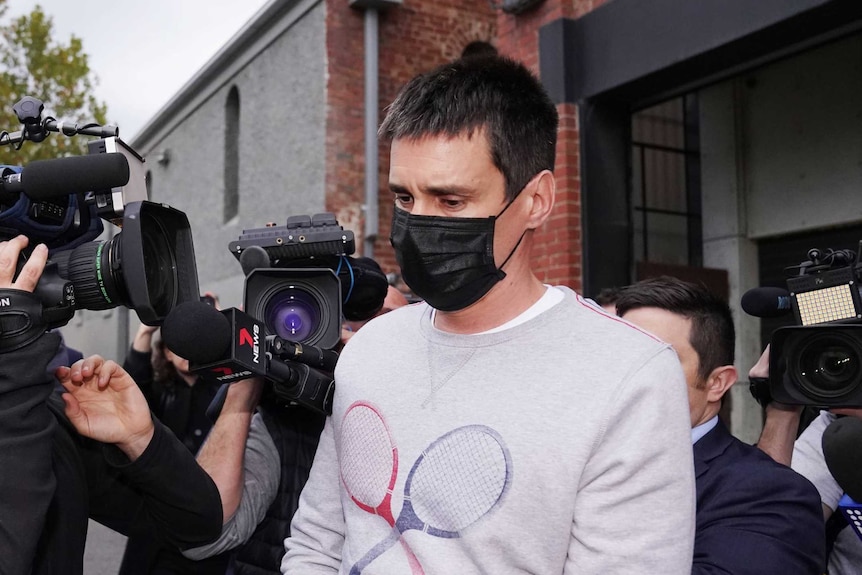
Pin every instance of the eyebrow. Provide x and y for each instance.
(463, 191)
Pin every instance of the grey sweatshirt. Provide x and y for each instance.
(561, 445)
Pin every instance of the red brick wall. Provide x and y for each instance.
(559, 245)
(415, 37)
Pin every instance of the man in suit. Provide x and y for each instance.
(753, 515)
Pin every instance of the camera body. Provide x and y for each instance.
(149, 266)
(300, 283)
(292, 282)
(818, 362)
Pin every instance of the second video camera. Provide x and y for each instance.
(817, 362)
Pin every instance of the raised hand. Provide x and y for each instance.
(104, 403)
(29, 276)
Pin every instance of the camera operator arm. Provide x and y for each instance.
(781, 423)
(27, 479)
(242, 460)
(779, 431)
(221, 455)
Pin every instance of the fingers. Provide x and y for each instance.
(9, 252)
(109, 370)
(85, 369)
(32, 270)
(72, 408)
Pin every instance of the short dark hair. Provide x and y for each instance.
(486, 94)
(712, 333)
(608, 296)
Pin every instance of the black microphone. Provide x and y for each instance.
(252, 258)
(842, 450)
(229, 345)
(44, 179)
(222, 346)
(766, 302)
(308, 354)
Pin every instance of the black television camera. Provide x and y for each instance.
(300, 284)
(149, 266)
(817, 362)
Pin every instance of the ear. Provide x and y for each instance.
(719, 382)
(543, 189)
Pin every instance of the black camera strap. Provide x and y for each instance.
(21, 320)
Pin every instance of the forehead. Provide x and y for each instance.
(670, 327)
(442, 161)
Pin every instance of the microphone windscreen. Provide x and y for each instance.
(252, 258)
(44, 179)
(369, 288)
(766, 302)
(197, 332)
(842, 450)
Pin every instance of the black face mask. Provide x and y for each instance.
(448, 262)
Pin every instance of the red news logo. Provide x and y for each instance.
(246, 338)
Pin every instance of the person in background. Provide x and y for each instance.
(804, 454)
(753, 515)
(394, 299)
(86, 448)
(607, 299)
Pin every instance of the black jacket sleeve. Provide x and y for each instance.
(164, 490)
(27, 481)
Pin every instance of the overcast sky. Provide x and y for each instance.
(143, 52)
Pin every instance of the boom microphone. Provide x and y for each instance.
(44, 179)
(766, 302)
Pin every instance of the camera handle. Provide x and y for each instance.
(29, 112)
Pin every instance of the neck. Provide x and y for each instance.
(710, 412)
(507, 300)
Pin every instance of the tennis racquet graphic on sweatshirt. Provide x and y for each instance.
(456, 481)
(369, 466)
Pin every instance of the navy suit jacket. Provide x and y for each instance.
(753, 515)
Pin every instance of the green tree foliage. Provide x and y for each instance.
(34, 63)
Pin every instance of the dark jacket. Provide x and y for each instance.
(754, 516)
(53, 479)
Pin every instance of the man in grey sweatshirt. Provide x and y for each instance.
(502, 425)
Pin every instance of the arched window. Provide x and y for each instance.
(148, 181)
(231, 155)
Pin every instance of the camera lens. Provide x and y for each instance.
(94, 270)
(828, 365)
(160, 267)
(301, 305)
(293, 314)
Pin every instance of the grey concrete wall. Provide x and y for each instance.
(725, 244)
(282, 165)
(781, 152)
(281, 149)
(803, 141)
